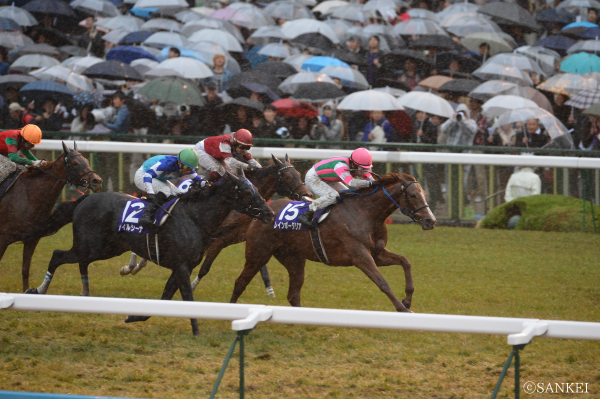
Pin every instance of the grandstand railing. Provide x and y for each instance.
(245, 317)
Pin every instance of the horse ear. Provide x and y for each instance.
(75, 146)
(65, 148)
(276, 160)
(232, 177)
(287, 159)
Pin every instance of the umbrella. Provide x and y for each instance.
(162, 24)
(50, 7)
(556, 42)
(317, 92)
(287, 10)
(71, 50)
(297, 60)
(77, 83)
(187, 67)
(592, 46)
(268, 32)
(314, 41)
(93, 98)
(224, 39)
(426, 102)
(114, 37)
(593, 111)
(530, 93)
(393, 91)
(350, 77)
(51, 73)
(11, 40)
(340, 27)
(208, 51)
(231, 107)
(489, 89)
(113, 70)
(176, 90)
(351, 12)
(398, 56)
(458, 87)
(349, 57)
(568, 84)
(277, 50)
(19, 15)
(291, 83)
(591, 33)
(7, 24)
(419, 13)
(167, 39)
(38, 91)
(135, 37)
(276, 68)
(559, 134)
(248, 17)
(295, 109)
(327, 7)
(437, 42)
(468, 24)
(127, 54)
(553, 16)
(463, 7)
(511, 14)
(97, 8)
(584, 99)
(153, 73)
(52, 36)
(255, 87)
(546, 58)
(81, 63)
(502, 72)
(254, 76)
(580, 63)
(161, 3)
(500, 104)
(316, 64)
(522, 62)
(467, 60)
(44, 49)
(194, 26)
(370, 100)
(384, 5)
(496, 42)
(434, 82)
(419, 27)
(34, 61)
(145, 62)
(295, 28)
(186, 16)
(14, 80)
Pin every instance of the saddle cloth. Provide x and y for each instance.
(133, 211)
(287, 219)
(8, 182)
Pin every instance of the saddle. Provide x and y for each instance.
(8, 182)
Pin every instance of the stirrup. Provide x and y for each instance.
(304, 219)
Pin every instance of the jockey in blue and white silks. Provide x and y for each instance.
(154, 175)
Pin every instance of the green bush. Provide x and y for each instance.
(544, 212)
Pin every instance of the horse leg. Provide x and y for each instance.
(364, 261)
(3, 247)
(59, 257)
(142, 264)
(126, 270)
(264, 273)
(204, 269)
(28, 249)
(85, 281)
(295, 267)
(385, 258)
(168, 293)
(211, 255)
(187, 294)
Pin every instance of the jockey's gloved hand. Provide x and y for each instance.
(252, 169)
(376, 183)
(150, 197)
(36, 163)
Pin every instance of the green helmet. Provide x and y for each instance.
(188, 157)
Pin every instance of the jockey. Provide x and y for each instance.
(231, 149)
(154, 175)
(327, 179)
(23, 140)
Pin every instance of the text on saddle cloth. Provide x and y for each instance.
(287, 219)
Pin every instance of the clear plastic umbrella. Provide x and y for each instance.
(208, 51)
(491, 88)
(496, 42)
(393, 91)
(194, 26)
(503, 72)
(12, 40)
(427, 102)
(349, 76)
(277, 50)
(31, 61)
(167, 39)
(379, 5)
(590, 46)
(522, 62)
(99, 8)
(418, 27)
(145, 62)
(452, 19)
(127, 23)
(186, 16)
(340, 27)
(470, 24)
(297, 60)
(19, 15)
(352, 12)
(287, 10)
(370, 100)
(529, 93)
(458, 8)
(225, 39)
(568, 84)
(291, 83)
(187, 67)
(78, 83)
(328, 6)
(162, 24)
(561, 138)
(293, 29)
(81, 63)
(251, 18)
(115, 36)
(420, 13)
(546, 58)
(500, 104)
(161, 3)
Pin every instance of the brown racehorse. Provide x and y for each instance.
(31, 199)
(354, 234)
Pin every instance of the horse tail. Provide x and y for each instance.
(62, 215)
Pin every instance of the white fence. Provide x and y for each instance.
(316, 154)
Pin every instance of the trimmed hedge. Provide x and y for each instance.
(544, 212)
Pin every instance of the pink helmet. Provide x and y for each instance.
(362, 157)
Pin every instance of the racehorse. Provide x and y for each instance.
(182, 239)
(353, 234)
(34, 194)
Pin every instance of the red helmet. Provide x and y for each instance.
(242, 137)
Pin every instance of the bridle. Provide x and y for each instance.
(410, 212)
(74, 177)
(250, 209)
(279, 185)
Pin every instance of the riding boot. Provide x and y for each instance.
(147, 219)
(307, 218)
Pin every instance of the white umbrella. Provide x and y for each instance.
(469, 24)
(19, 15)
(159, 73)
(452, 19)
(115, 36)
(293, 29)
(568, 84)
(503, 72)
(212, 23)
(81, 63)
(522, 62)
(126, 23)
(12, 40)
(496, 42)
(34, 61)
(370, 100)
(187, 67)
(426, 102)
(163, 24)
(269, 32)
(353, 13)
(291, 83)
(161, 3)
(554, 127)
(203, 11)
(186, 16)
(167, 39)
(419, 13)
(99, 8)
(277, 50)
(591, 46)
(393, 91)
(503, 103)
(52, 73)
(328, 6)
(297, 60)
(349, 76)
(458, 8)
(489, 89)
(287, 10)
(249, 16)
(546, 58)
(340, 27)
(419, 27)
(384, 5)
(78, 83)
(145, 62)
(225, 39)
(208, 51)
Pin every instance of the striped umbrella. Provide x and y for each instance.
(584, 99)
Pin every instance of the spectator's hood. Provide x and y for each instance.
(463, 107)
(331, 104)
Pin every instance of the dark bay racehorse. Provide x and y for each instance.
(354, 234)
(31, 199)
(182, 239)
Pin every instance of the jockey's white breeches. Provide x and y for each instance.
(157, 185)
(7, 167)
(208, 162)
(327, 191)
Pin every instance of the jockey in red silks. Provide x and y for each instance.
(230, 149)
(329, 177)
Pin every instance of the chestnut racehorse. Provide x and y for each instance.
(31, 198)
(354, 234)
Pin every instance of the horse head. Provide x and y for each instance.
(79, 172)
(246, 199)
(414, 201)
(288, 181)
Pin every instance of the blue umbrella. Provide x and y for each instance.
(127, 54)
(164, 54)
(84, 98)
(136, 37)
(556, 42)
(52, 7)
(254, 58)
(316, 64)
(591, 33)
(582, 24)
(581, 63)
(41, 90)
(555, 16)
(143, 12)
(7, 24)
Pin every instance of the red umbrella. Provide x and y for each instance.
(295, 109)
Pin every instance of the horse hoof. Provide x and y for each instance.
(405, 304)
(32, 291)
(137, 269)
(125, 270)
(196, 333)
(271, 292)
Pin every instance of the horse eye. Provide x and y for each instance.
(413, 196)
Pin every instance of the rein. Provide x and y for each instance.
(291, 193)
(70, 170)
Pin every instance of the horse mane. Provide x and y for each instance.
(33, 172)
(389, 179)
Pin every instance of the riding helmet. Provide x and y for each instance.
(188, 157)
(242, 137)
(32, 133)
(362, 157)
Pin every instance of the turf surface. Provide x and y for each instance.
(456, 271)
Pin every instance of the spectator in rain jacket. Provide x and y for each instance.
(377, 119)
(328, 128)
(121, 124)
(270, 124)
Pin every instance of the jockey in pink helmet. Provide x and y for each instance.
(329, 177)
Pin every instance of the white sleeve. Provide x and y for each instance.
(254, 163)
(235, 163)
